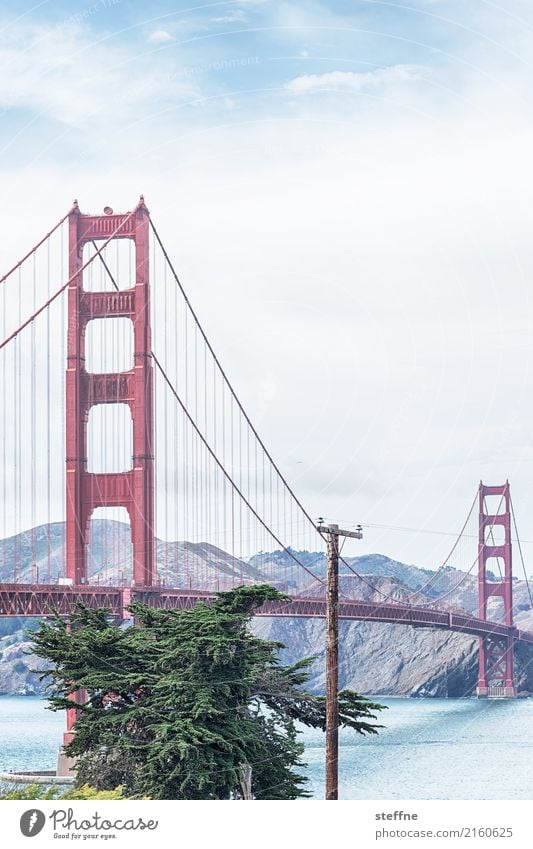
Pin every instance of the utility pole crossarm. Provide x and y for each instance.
(334, 529)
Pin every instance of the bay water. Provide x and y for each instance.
(430, 749)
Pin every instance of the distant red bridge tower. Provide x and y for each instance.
(134, 488)
(496, 653)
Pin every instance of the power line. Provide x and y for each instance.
(425, 531)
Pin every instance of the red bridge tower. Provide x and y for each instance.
(496, 659)
(133, 489)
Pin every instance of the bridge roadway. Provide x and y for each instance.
(41, 599)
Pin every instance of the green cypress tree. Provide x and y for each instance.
(190, 704)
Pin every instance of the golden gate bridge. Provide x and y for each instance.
(117, 413)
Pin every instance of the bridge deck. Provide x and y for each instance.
(23, 600)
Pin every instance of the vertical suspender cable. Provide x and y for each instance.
(232, 497)
(17, 434)
(165, 413)
(33, 480)
(188, 563)
(47, 420)
(222, 529)
(521, 554)
(177, 498)
(208, 512)
(241, 553)
(64, 307)
(4, 440)
(199, 484)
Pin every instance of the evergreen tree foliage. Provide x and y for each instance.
(189, 704)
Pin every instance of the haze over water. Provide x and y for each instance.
(430, 749)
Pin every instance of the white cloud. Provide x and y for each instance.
(351, 81)
(159, 36)
(232, 17)
(64, 75)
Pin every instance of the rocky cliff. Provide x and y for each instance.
(16, 678)
(394, 659)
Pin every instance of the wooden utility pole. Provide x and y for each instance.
(332, 533)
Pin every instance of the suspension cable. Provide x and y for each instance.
(225, 473)
(35, 247)
(65, 285)
(444, 595)
(228, 383)
(521, 553)
(434, 577)
(447, 559)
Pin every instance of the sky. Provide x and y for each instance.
(345, 189)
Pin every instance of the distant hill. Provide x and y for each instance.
(39, 555)
(375, 658)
